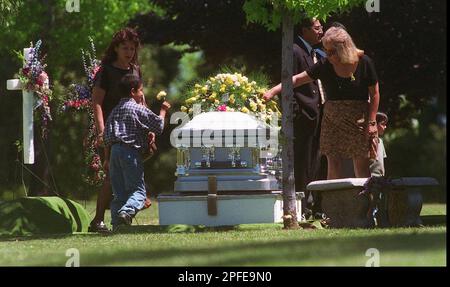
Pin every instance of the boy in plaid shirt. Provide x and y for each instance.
(126, 136)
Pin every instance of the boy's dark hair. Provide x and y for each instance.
(129, 82)
(381, 117)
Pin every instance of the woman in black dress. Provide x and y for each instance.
(351, 87)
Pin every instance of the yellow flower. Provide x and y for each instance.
(245, 110)
(205, 89)
(222, 88)
(212, 97)
(183, 109)
(216, 102)
(229, 81)
(272, 105)
(231, 99)
(161, 95)
(191, 100)
(253, 106)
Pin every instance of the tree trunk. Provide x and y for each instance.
(289, 197)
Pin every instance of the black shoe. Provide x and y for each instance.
(125, 218)
(99, 227)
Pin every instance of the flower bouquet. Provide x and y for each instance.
(231, 92)
(80, 100)
(34, 78)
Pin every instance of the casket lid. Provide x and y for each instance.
(224, 121)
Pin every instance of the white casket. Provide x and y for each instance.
(222, 172)
(231, 146)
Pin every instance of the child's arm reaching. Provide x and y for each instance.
(153, 122)
(165, 106)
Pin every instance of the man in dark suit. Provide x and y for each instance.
(308, 102)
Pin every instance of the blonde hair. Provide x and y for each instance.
(340, 40)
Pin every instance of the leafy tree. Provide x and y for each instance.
(271, 14)
(7, 9)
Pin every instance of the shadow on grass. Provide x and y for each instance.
(434, 220)
(332, 250)
(183, 228)
(428, 220)
(4, 238)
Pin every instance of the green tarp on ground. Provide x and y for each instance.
(42, 215)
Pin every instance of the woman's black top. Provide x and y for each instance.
(108, 78)
(338, 88)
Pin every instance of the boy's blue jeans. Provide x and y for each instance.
(126, 172)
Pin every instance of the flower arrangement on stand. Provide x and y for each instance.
(80, 100)
(34, 78)
(231, 92)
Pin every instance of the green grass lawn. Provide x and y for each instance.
(246, 245)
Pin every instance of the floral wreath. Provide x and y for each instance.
(80, 100)
(34, 79)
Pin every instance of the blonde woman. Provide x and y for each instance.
(351, 87)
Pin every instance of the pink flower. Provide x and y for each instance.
(42, 78)
(95, 70)
(222, 108)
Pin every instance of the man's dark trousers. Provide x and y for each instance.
(306, 152)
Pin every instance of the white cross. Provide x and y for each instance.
(27, 107)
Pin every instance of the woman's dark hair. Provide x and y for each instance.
(126, 34)
(129, 82)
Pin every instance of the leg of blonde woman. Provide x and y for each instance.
(361, 167)
(334, 167)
